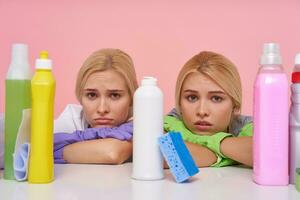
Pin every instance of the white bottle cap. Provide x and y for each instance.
(19, 54)
(297, 59)
(148, 80)
(19, 67)
(271, 54)
(297, 65)
(43, 62)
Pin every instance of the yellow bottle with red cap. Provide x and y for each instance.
(41, 151)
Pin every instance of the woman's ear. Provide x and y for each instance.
(236, 111)
(178, 111)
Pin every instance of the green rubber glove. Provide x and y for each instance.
(210, 141)
(247, 130)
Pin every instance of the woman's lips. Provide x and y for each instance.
(203, 125)
(103, 121)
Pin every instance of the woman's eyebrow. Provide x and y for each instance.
(189, 90)
(210, 92)
(115, 90)
(216, 92)
(90, 89)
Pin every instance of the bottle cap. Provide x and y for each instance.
(148, 80)
(19, 67)
(297, 59)
(43, 62)
(297, 64)
(19, 54)
(271, 54)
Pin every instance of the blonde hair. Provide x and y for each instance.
(219, 69)
(106, 59)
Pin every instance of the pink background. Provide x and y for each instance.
(159, 36)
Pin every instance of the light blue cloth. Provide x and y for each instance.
(21, 158)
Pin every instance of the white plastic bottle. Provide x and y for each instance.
(295, 121)
(147, 127)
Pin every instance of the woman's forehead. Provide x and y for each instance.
(200, 82)
(108, 79)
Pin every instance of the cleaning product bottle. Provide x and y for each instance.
(41, 153)
(147, 128)
(17, 98)
(295, 121)
(270, 137)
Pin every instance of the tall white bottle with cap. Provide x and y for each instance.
(147, 128)
(295, 121)
(17, 98)
(270, 137)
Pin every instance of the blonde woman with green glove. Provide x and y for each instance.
(208, 103)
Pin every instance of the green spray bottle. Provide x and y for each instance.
(17, 98)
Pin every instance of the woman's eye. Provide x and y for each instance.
(216, 99)
(115, 96)
(91, 95)
(192, 98)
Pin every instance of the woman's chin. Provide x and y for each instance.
(199, 132)
(103, 126)
(204, 133)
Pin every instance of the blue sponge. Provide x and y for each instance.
(178, 157)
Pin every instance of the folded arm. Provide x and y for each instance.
(238, 149)
(227, 150)
(100, 151)
(202, 156)
(63, 140)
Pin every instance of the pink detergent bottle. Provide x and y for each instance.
(271, 114)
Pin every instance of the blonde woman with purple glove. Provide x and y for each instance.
(100, 129)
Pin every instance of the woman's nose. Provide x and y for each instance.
(202, 109)
(103, 107)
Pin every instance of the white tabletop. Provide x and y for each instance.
(114, 182)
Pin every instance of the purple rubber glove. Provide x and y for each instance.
(123, 132)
